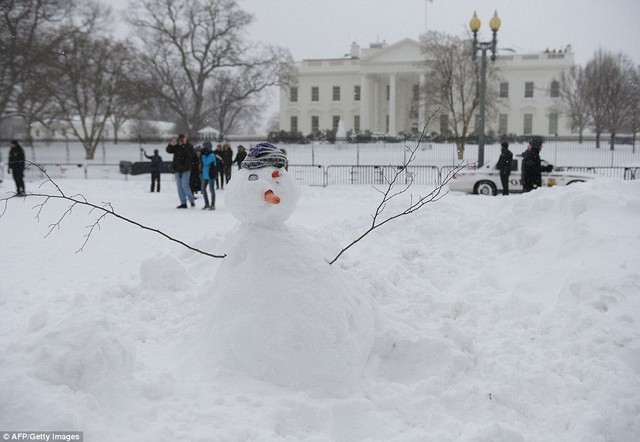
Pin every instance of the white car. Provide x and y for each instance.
(486, 179)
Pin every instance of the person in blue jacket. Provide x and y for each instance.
(156, 166)
(208, 162)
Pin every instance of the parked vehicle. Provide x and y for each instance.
(486, 179)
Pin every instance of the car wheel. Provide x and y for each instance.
(485, 188)
(575, 181)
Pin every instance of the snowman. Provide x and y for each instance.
(280, 313)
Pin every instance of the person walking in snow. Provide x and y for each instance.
(504, 166)
(156, 166)
(182, 157)
(208, 163)
(16, 166)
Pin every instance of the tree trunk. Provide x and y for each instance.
(612, 141)
(460, 149)
(89, 150)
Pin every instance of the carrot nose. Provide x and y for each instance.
(271, 197)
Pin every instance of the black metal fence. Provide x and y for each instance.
(309, 175)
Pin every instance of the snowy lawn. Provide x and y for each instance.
(498, 319)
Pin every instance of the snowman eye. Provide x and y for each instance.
(253, 177)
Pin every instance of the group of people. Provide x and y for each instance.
(532, 167)
(199, 169)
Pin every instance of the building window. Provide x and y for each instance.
(37, 133)
(387, 123)
(336, 93)
(356, 93)
(356, 123)
(553, 123)
(502, 124)
(336, 121)
(555, 89)
(528, 89)
(504, 90)
(315, 123)
(528, 124)
(294, 124)
(293, 94)
(416, 92)
(444, 124)
(315, 93)
(388, 92)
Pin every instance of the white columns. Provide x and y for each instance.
(392, 105)
(375, 126)
(422, 102)
(365, 124)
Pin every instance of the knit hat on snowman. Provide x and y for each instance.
(264, 154)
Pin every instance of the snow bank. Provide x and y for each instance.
(497, 319)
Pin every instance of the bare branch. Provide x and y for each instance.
(79, 200)
(391, 192)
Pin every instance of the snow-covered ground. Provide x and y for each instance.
(498, 319)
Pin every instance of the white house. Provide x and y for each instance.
(376, 88)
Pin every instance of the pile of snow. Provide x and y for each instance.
(495, 319)
(279, 312)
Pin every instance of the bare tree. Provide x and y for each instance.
(452, 83)
(574, 96)
(633, 120)
(187, 45)
(609, 80)
(134, 98)
(622, 88)
(29, 30)
(235, 98)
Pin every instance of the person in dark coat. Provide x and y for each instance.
(156, 167)
(194, 179)
(219, 167)
(240, 156)
(532, 166)
(227, 156)
(16, 166)
(504, 166)
(182, 157)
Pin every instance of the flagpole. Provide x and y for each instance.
(426, 2)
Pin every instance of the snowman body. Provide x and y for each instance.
(280, 312)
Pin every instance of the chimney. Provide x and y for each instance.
(355, 50)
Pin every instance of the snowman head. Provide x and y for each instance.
(262, 192)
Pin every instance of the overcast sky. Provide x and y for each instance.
(326, 28)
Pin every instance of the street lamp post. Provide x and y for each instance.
(483, 46)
